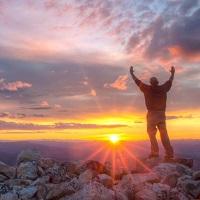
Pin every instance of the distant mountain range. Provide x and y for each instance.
(80, 150)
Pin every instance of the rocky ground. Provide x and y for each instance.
(38, 178)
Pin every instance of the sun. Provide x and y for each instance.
(114, 138)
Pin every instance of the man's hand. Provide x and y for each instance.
(172, 70)
(131, 70)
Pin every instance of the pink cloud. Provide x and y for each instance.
(120, 83)
(13, 86)
(93, 93)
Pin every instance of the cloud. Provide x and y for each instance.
(29, 126)
(13, 86)
(93, 93)
(120, 83)
(171, 117)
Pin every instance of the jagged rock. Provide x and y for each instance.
(176, 195)
(46, 163)
(18, 182)
(129, 183)
(56, 173)
(7, 170)
(87, 176)
(106, 180)
(184, 161)
(171, 179)
(27, 170)
(28, 192)
(41, 181)
(162, 191)
(4, 188)
(56, 191)
(93, 165)
(3, 178)
(28, 155)
(189, 186)
(9, 196)
(196, 175)
(93, 191)
(146, 194)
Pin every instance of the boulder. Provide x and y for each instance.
(7, 170)
(196, 175)
(106, 180)
(28, 192)
(135, 182)
(4, 188)
(28, 155)
(27, 170)
(56, 191)
(146, 194)
(9, 196)
(185, 161)
(87, 176)
(3, 178)
(162, 191)
(93, 191)
(171, 179)
(56, 173)
(46, 163)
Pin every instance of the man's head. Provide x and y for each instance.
(154, 81)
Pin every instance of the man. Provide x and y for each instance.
(155, 100)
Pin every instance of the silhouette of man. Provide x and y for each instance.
(155, 99)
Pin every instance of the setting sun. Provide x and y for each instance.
(114, 139)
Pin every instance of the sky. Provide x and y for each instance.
(64, 67)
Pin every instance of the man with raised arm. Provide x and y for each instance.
(155, 99)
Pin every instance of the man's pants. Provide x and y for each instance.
(156, 120)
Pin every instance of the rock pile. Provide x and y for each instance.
(38, 178)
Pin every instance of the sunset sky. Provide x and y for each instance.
(64, 67)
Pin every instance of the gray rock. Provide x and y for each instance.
(46, 163)
(106, 180)
(171, 179)
(135, 182)
(28, 155)
(56, 191)
(9, 196)
(7, 170)
(4, 188)
(27, 170)
(162, 191)
(87, 176)
(28, 192)
(3, 178)
(146, 194)
(93, 191)
(185, 161)
(196, 175)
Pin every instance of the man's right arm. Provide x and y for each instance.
(137, 81)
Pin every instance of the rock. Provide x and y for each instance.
(27, 170)
(106, 180)
(56, 173)
(189, 186)
(196, 175)
(7, 170)
(56, 191)
(87, 176)
(3, 178)
(46, 163)
(18, 182)
(171, 179)
(4, 188)
(131, 182)
(146, 194)
(93, 165)
(184, 161)
(28, 155)
(162, 191)
(93, 191)
(28, 192)
(183, 170)
(41, 181)
(9, 196)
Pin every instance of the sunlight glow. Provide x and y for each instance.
(114, 139)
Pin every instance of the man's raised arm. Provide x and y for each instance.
(137, 81)
(172, 73)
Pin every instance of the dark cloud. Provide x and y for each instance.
(29, 126)
(171, 117)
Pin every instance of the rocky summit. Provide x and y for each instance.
(38, 178)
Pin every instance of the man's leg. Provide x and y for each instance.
(165, 139)
(151, 129)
